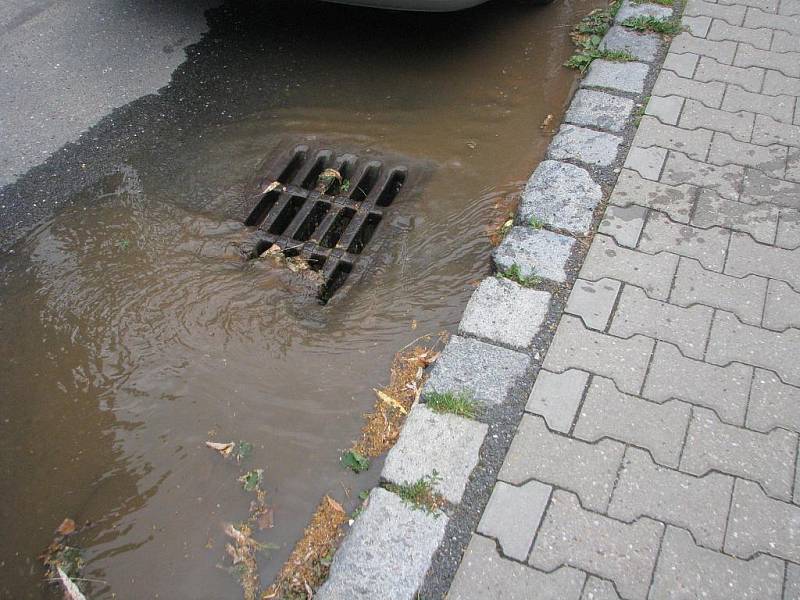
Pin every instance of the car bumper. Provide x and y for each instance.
(415, 5)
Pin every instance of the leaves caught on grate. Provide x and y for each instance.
(323, 208)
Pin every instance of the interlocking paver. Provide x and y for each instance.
(556, 397)
(686, 570)
(747, 256)
(675, 200)
(652, 272)
(789, 7)
(692, 142)
(766, 5)
(699, 504)
(710, 93)
(721, 30)
(742, 296)
(726, 181)
(593, 301)
(783, 306)
(761, 524)
(665, 109)
(648, 162)
(791, 590)
(751, 79)
(624, 224)
(738, 124)
(787, 63)
(788, 234)
(767, 130)
(513, 515)
(722, 51)
(588, 470)
(759, 18)
(709, 246)
(776, 83)
(731, 14)
(682, 64)
(773, 404)
(727, 151)
(687, 328)
(696, 26)
(793, 165)
(759, 220)
(723, 389)
(484, 574)
(783, 41)
(599, 589)
(660, 428)
(758, 187)
(624, 553)
(712, 445)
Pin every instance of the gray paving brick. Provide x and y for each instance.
(738, 124)
(760, 220)
(623, 360)
(536, 252)
(624, 553)
(708, 69)
(683, 64)
(726, 181)
(793, 165)
(776, 83)
(783, 41)
(622, 76)
(513, 515)
(787, 63)
(761, 524)
(727, 151)
(484, 574)
(773, 404)
(709, 246)
(789, 7)
(792, 586)
(760, 18)
(624, 224)
(430, 441)
(731, 14)
(767, 5)
(769, 131)
(586, 145)
(783, 306)
(759, 187)
(788, 235)
(687, 328)
(722, 51)
(599, 589)
(692, 142)
(699, 504)
(665, 109)
(593, 301)
(633, 189)
(746, 257)
(487, 372)
(628, 9)
(732, 340)
(668, 83)
(504, 312)
(653, 272)
(760, 38)
(648, 162)
(562, 195)
(599, 109)
(556, 397)
(366, 566)
(696, 285)
(723, 389)
(685, 570)
(660, 428)
(642, 46)
(766, 458)
(780, 108)
(588, 470)
(696, 26)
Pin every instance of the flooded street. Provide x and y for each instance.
(131, 333)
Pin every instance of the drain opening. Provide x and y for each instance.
(324, 209)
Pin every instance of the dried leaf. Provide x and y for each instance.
(334, 504)
(264, 517)
(66, 528)
(390, 401)
(270, 187)
(271, 251)
(223, 448)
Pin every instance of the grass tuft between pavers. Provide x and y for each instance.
(461, 403)
(420, 494)
(514, 273)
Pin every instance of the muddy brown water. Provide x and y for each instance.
(130, 335)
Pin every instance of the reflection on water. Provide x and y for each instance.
(131, 333)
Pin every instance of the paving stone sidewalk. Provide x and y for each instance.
(657, 457)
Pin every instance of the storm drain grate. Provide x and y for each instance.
(327, 221)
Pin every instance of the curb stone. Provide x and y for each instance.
(394, 552)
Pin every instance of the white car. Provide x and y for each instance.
(418, 5)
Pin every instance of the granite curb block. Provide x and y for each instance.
(391, 546)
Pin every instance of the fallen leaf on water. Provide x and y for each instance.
(67, 527)
(391, 401)
(334, 504)
(223, 448)
(251, 480)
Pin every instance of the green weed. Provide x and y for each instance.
(514, 273)
(355, 461)
(649, 23)
(461, 404)
(420, 494)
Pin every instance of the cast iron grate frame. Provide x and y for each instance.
(330, 229)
